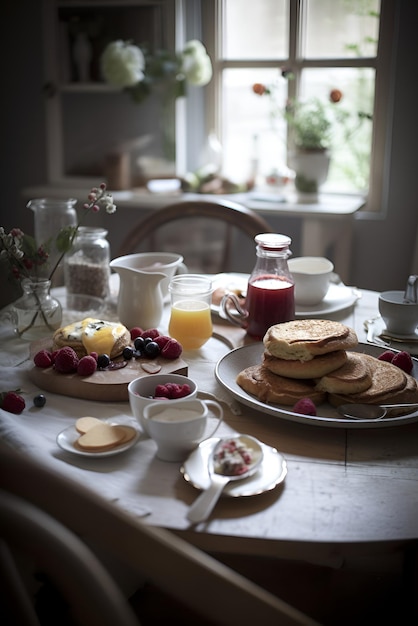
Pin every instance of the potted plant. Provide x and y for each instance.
(310, 132)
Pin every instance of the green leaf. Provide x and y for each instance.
(65, 238)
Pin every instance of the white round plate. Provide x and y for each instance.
(229, 366)
(271, 472)
(67, 438)
(338, 298)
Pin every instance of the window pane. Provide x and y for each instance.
(352, 126)
(343, 29)
(248, 128)
(255, 30)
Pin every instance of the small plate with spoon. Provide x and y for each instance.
(270, 471)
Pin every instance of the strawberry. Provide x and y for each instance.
(66, 360)
(387, 355)
(403, 360)
(43, 359)
(87, 365)
(12, 402)
(305, 406)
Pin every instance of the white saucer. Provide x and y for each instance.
(272, 471)
(338, 298)
(67, 438)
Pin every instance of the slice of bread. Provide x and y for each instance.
(101, 437)
(303, 339)
(93, 335)
(271, 388)
(315, 368)
(354, 376)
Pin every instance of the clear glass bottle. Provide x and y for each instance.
(50, 215)
(36, 313)
(86, 265)
(270, 294)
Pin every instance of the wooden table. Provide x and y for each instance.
(348, 494)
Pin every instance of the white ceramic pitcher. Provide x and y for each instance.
(143, 280)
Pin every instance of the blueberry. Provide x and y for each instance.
(152, 349)
(128, 353)
(139, 343)
(103, 361)
(39, 400)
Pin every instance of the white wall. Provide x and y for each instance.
(383, 249)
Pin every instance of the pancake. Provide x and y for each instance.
(304, 339)
(354, 376)
(93, 335)
(270, 388)
(389, 383)
(315, 368)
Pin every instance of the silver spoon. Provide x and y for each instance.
(204, 504)
(371, 411)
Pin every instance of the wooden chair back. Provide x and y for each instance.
(213, 236)
(192, 577)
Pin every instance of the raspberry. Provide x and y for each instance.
(305, 406)
(172, 349)
(403, 360)
(94, 355)
(43, 358)
(136, 331)
(151, 332)
(162, 340)
(387, 355)
(161, 391)
(66, 360)
(13, 402)
(185, 390)
(87, 365)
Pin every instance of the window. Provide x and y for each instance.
(302, 49)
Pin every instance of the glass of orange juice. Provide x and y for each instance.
(190, 319)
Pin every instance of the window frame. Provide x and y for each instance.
(212, 18)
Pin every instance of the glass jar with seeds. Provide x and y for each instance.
(86, 267)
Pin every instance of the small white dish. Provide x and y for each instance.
(67, 438)
(338, 298)
(271, 472)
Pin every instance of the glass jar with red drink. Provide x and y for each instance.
(270, 294)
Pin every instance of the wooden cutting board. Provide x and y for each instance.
(104, 386)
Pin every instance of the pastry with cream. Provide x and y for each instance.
(93, 335)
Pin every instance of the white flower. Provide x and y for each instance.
(107, 203)
(196, 63)
(122, 64)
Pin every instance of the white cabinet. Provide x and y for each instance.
(90, 124)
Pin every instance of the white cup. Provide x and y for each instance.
(312, 276)
(141, 391)
(178, 428)
(400, 317)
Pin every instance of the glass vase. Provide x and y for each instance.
(36, 313)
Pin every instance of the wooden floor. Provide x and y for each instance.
(342, 597)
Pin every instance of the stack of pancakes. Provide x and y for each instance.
(313, 359)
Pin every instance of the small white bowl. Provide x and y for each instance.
(141, 391)
(312, 276)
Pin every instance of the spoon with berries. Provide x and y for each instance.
(233, 458)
